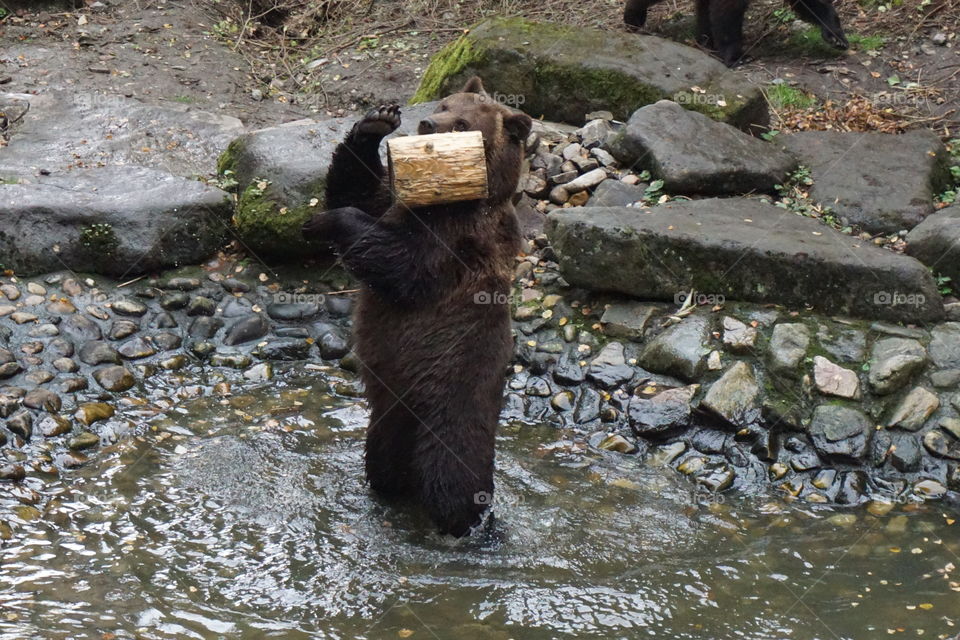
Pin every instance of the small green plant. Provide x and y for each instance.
(225, 28)
(769, 135)
(944, 284)
(866, 43)
(225, 181)
(950, 196)
(100, 239)
(3, 13)
(784, 16)
(794, 196)
(782, 96)
(184, 99)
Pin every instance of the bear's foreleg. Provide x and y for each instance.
(356, 177)
(386, 257)
(391, 436)
(726, 23)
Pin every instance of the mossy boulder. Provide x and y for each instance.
(280, 176)
(561, 73)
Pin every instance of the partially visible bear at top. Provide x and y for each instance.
(720, 23)
(432, 325)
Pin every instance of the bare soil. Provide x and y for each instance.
(270, 61)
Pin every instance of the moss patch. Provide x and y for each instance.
(448, 62)
(271, 229)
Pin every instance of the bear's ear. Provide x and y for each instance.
(518, 126)
(474, 85)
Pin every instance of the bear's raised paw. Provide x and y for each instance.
(380, 122)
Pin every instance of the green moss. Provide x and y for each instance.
(270, 229)
(448, 62)
(228, 159)
(809, 43)
(866, 43)
(618, 93)
(784, 96)
(99, 239)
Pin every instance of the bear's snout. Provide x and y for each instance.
(426, 126)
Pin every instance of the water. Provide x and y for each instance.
(247, 517)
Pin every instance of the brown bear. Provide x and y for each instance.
(720, 23)
(432, 325)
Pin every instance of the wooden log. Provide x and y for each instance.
(437, 168)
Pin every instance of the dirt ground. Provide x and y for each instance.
(267, 65)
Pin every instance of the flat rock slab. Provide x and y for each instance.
(285, 167)
(742, 250)
(880, 182)
(936, 242)
(694, 154)
(61, 130)
(114, 220)
(562, 73)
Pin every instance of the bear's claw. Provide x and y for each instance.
(380, 122)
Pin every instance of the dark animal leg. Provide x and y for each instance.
(391, 437)
(388, 258)
(455, 459)
(635, 13)
(726, 22)
(704, 33)
(356, 177)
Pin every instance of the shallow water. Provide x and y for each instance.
(247, 517)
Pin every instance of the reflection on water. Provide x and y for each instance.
(248, 518)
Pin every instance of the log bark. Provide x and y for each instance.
(437, 168)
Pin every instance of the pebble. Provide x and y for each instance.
(12, 473)
(115, 378)
(128, 307)
(97, 352)
(174, 301)
(21, 424)
(91, 412)
(84, 440)
(42, 399)
(173, 363)
(201, 306)
(136, 348)
(52, 425)
(121, 329)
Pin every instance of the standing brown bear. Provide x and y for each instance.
(432, 326)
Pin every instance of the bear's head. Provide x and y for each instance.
(504, 133)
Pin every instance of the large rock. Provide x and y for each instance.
(945, 345)
(281, 175)
(839, 431)
(893, 362)
(563, 73)
(740, 249)
(880, 182)
(679, 351)
(60, 130)
(693, 154)
(735, 397)
(114, 220)
(936, 242)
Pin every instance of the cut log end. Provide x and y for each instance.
(437, 168)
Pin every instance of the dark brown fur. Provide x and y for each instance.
(432, 326)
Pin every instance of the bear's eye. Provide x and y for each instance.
(444, 107)
(461, 125)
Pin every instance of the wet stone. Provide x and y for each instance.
(97, 312)
(52, 425)
(167, 341)
(905, 455)
(173, 363)
(121, 329)
(174, 301)
(833, 380)
(234, 361)
(31, 348)
(738, 337)
(333, 346)
(128, 307)
(164, 320)
(618, 443)
(840, 431)
(913, 409)
(61, 306)
(663, 455)
(945, 345)
(10, 292)
(609, 369)
(6, 309)
(562, 401)
(65, 365)
(568, 370)
(852, 488)
(709, 440)
(72, 460)
(260, 372)
(71, 385)
(588, 406)
(292, 332)
(538, 387)
(929, 489)
(136, 348)
(664, 413)
(236, 308)
(201, 306)
(39, 376)
(824, 479)
(205, 327)
(942, 445)
(788, 346)
(12, 473)
(6, 356)
(893, 362)
(735, 396)
(60, 347)
(180, 283)
(946, 379)
(84, 440)
(33, 301)
(46, 330)
(202, 349)
(716, 477)
(338, 306)
(21, 424)
(805, 461)
(627, 320)
(42, 399)
(91, 412)
(246, 329)
(98, 352)
(680, 350)
(115, 378)
(232, 285)
(293, 311)
(22, 317)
